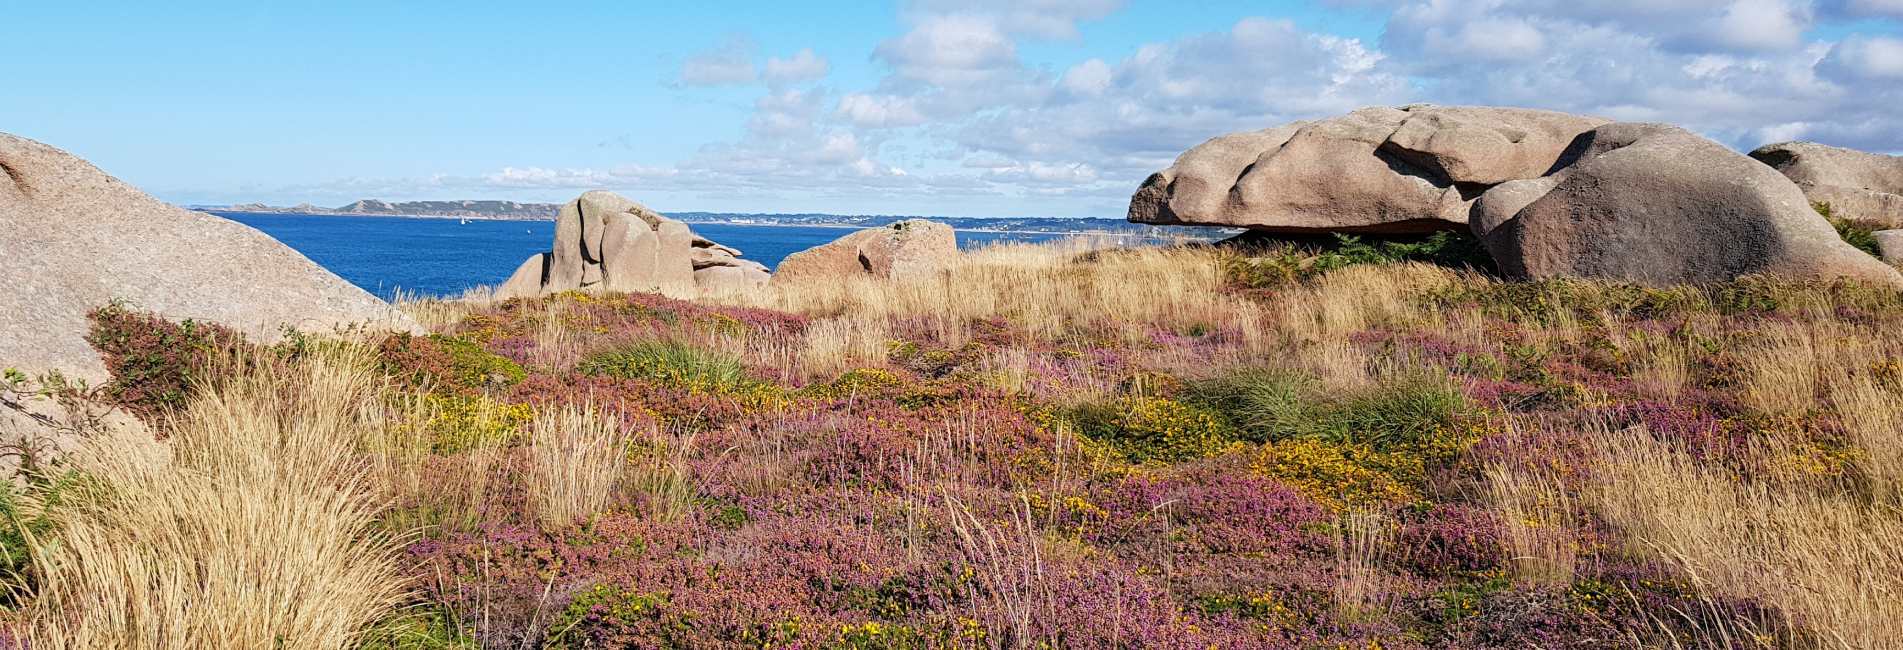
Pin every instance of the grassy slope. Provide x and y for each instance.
(1052, 447)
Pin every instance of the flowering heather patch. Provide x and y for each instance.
(1166, 469)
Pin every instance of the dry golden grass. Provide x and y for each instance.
(398, 450)
(251, 527)
(1872, 417)
(1826, 560)
(834, 345)
(1539, 518)
(661, 470)
(1781, 372)
(1355, 298)
(1052, 290)
(1361, 540)
(577, 460)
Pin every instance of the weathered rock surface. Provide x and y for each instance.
(743, 276)
(73, 238)
(905, 249)
(1656, 204)
(606, 242)
(1551, 194)
(1856, 184)
(1890, 245)
(1377, 170)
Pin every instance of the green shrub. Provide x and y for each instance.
(1413, 411)
(471, 365)
(447, 363)
(156, 363)
(670, 363)
(1265, 261)
(1858, 232)
(1154, 428)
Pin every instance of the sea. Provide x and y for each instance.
(444, 257)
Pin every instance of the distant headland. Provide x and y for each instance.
(516, 211)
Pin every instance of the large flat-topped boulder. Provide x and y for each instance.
(73, 238)
(1401, 170)
(1656, 204)
(606, 242)
(1856, 184)
(906, 249)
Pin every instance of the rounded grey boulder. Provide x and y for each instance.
(1855, 184)
(1656, 204)
(606, 242)
(1401, 170)
(73, 238)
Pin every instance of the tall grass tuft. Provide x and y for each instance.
(1824, 560)
(252, 527)
(577, 459)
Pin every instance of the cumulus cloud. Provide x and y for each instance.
(880, 111)
(802, 66)
(1865, 58)
(951, 50)
(959, 113)
(730, 63)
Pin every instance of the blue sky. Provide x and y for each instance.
(971, 108)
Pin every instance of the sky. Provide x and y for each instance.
(930, 107)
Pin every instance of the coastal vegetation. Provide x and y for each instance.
(1339, 444)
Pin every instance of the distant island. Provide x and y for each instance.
(515, 211)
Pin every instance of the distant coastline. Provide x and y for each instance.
(514, 211)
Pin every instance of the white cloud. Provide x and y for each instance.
(1865, 58)
(1090, 78)
(961, 115)
(1047, 19)
(730, 63)
(951, 50)
(880, 111)
(802, 66)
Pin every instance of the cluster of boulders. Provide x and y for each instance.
(905, 249)
(604, 242)
(1550, 194)
(1865, 187)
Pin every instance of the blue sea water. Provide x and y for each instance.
(443, 257)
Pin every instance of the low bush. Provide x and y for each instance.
(1264, 262)
(156, 363)
(447, 363)
(1414, 410)
(1154, 429)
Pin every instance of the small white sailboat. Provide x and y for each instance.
(465, 221)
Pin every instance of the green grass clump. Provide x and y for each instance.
(671, 363)
(1344, 449)
(1860, 233)
(1411, 410)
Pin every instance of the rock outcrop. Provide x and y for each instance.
(73, 238)
(905, 249)
(1856, 184)
(1550, 194)
(1402, 170)
(1656, 204)
(1890, 245)
(605, 242)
